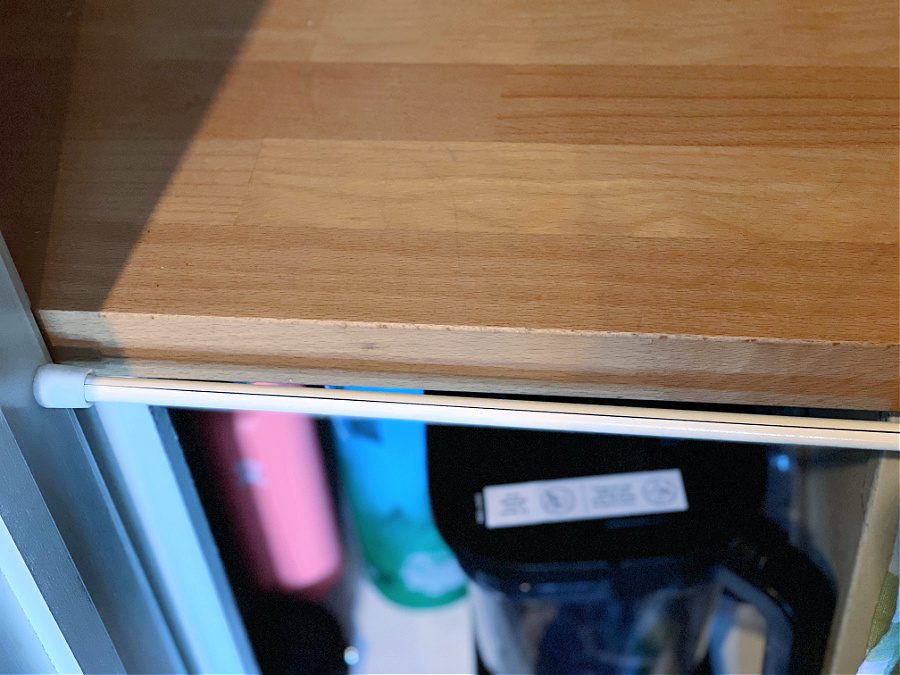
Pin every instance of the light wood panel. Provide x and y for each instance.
(643, 32)
(688, 200)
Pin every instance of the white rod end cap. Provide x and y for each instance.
(58, 386)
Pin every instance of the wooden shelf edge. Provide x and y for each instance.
(859, 376)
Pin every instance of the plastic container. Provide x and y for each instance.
(383, 467)
(270, 467)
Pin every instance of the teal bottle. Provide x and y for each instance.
(383, 468)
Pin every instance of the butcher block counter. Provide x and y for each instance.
(679, 200)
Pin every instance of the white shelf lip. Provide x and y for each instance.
(65, 386)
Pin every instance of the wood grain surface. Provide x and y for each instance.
(689, 200)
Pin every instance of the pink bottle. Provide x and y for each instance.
(270, 466)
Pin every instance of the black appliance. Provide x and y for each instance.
(606, 554)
